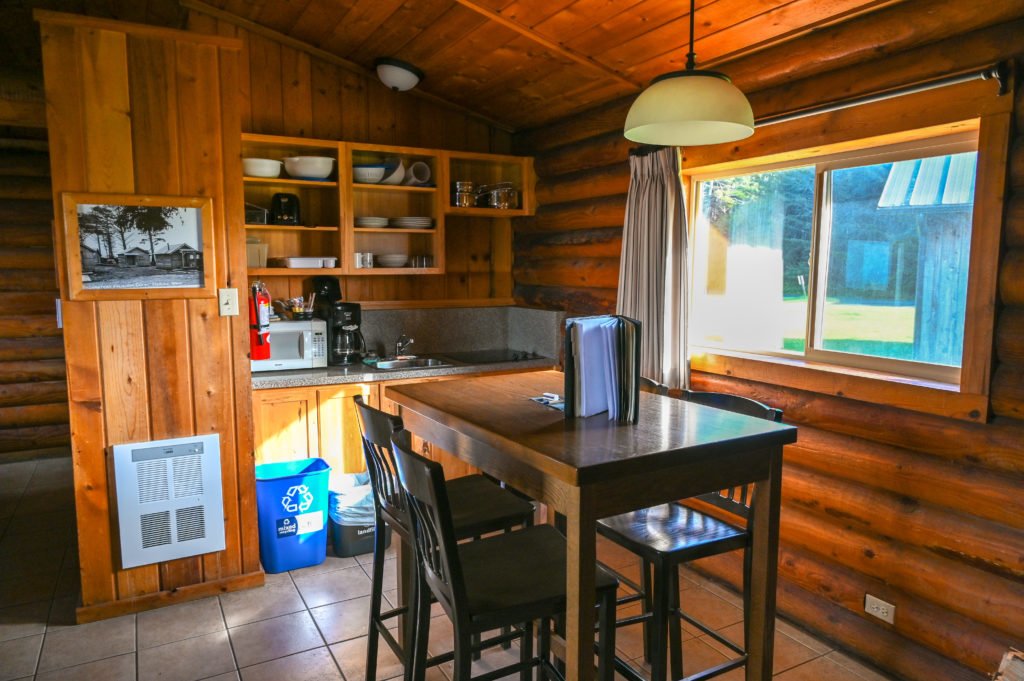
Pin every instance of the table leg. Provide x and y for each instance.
(581, 559)
(764, 560)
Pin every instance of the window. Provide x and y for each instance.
(857, 259)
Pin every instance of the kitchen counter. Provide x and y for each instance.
(361, 373)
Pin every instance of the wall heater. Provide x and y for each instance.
(169, 499)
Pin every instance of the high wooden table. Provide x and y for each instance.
(592, 468)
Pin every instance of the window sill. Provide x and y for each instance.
(930, 397)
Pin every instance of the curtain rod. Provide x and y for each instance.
(998, 72)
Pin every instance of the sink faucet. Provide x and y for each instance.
(402, 344)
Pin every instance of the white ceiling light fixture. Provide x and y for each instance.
(397, 74)
(689, 108)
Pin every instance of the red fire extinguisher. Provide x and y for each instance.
(259, 322)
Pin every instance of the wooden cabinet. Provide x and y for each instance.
(299, 423)
(340, 442)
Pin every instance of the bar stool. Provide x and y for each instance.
(505, 580)
(671, 534)
(478, 507)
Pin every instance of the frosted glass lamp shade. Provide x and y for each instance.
(396, 74)
(689, 108)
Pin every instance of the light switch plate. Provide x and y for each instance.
(228, 302)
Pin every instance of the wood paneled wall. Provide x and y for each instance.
(133, 109)
(289, 91)
(923, 511)
(33, 392)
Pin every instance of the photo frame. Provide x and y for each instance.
(133, 246)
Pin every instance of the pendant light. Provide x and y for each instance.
(691, 107)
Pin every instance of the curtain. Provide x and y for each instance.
(652, 269)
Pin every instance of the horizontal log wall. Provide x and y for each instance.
(923, 511)
(33, 392)
(288, 91)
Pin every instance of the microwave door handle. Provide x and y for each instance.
(304, 339)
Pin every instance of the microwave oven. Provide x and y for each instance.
(295, 345)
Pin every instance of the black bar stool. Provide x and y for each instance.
(505, 580)
(671, 534)
(478, 507)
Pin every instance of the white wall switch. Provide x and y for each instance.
(228, 302)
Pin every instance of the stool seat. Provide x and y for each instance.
(531, 563)
(480, 506)
(672, 528)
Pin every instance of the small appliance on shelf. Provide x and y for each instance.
(284, 209)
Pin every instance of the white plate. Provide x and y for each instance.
(371, 222)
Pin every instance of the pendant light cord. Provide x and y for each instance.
(691, 57)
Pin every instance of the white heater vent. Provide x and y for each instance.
(169, 499)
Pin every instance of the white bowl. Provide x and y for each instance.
(309, 167)
(261, 167)
(391, 260)
(396, 176)
(368, 174)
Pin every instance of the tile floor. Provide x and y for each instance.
(304, 625)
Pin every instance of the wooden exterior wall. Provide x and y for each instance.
(923, 511)
(33, 392)
(300, 92)
(133, 109)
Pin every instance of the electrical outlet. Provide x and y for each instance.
(228, 302)
(875, 606)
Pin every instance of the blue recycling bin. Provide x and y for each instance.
(291, 504)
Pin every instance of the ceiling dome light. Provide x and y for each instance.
(688, 108)
(397, 74)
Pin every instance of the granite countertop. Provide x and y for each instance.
(361, 373)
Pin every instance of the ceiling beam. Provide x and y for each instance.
(555, 47)
(330, 57)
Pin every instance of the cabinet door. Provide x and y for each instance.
(454, 467)
(340, 442)
(285, 425)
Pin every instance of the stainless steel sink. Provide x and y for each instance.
(417, 363)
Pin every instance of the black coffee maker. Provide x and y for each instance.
(344, 339)
(328, 292)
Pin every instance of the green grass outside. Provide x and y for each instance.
(875, 330)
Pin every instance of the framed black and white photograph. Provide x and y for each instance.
(127, 246)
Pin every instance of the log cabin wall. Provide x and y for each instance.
(33, 392)
(139, 110)
(920, 510)
(295, 90)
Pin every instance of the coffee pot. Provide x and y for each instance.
(344, 339)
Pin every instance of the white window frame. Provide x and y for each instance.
(824, 164)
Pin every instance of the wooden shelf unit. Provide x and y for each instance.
(471, 247)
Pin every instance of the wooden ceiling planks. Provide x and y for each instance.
(531, 62)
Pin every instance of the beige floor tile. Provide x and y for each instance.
(865, 672)
(88, 642)
(188, 660)
(697, 656)
(310, 665)
(390, 580)
(19, 621)
(278, 596)
(331, 563)
(345, 619)
(62, 613)
(803, 637)
(119, 668)
(274, 638)
(709, 609)
(789, 653)
(178, 622)
(45, 561)
(35, 587)
(351, 657)
(613, 555)
(19, 657)
(331, 587)
(367, 558)
(229, 676)
(819, 669)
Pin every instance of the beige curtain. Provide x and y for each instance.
(652, 271)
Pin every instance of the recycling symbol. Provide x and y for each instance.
(297, 499)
